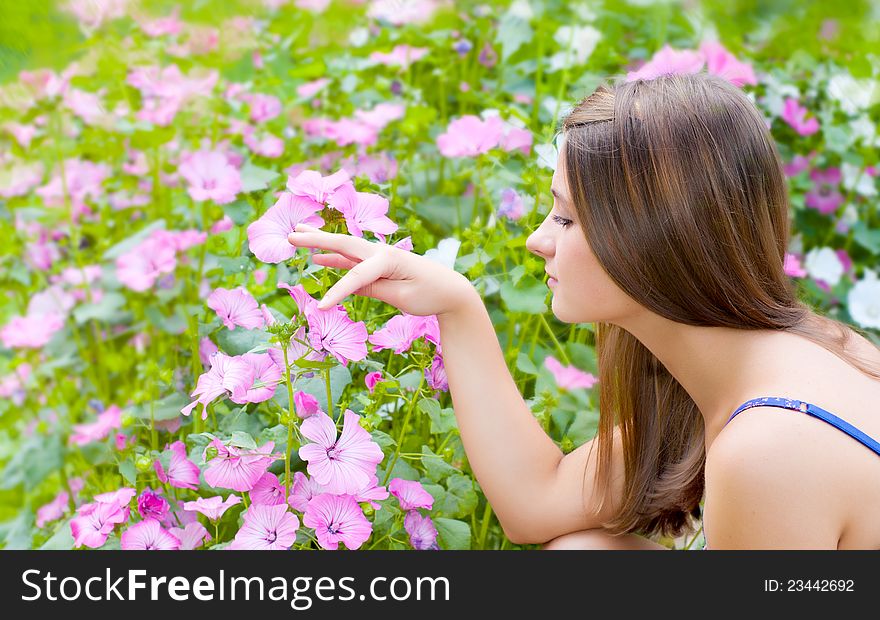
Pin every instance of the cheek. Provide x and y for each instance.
(585, 293)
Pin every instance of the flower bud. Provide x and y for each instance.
(143, 463)
(211, 453)
(367, 507)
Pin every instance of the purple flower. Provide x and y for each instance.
(410, 494)
(824, 197)
(152, 505)
(421, 530)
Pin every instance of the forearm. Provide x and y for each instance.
(512, 457)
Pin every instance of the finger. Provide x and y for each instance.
(336, 261)
(357, 278)
(355, 248)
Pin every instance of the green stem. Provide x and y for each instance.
(555, 341)
(403, 430)
(484, 525)
(326, 372)
(291, 414)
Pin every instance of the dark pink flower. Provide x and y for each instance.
(335, 519)
(825, 196)
(795, 115)
(793, 266)
(268, 528)
(152, 505)
(148, 535)
(305, 404)
(372, 379)
(436, 375)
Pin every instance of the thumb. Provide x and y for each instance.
(384, 290)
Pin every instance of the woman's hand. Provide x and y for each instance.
(410, 282)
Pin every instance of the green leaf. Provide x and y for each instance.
(19, 533)
(513, 31)
(527, 296)
(128, 471)
(243, 440)
(435, 466)
(453, 534)
(61, 540)
(39, 456)
(461, 497)
(107, 309)
(254, 178)
(866, 237)
(525, 364)
(127, 244)
(384, 440)
(340, 377)
(166, 408)
(442, 421)
(232, 265)
(239, 341)
(241, 212)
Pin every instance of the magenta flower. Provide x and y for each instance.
(212, 507)
(267, 237)
(568, 377)
(470, 136)
(54, 510)
(210, 177)
(335, 519)
(238, 469)
(668, 60)
(411, 494)
(95, 523)
(825, 196)
(296, 350)
(793, 266)
(303, 490)
(362, 211)
(227, 374)
(436, 375)
(305, 404)
(108, 420)
(721, 62)
(148, 535)
(267, 376)
(795, 115)
(268, 528)
(236, 307)
(151, 505)
(421, 530)
(182, 473)
(192, 536)
(372, 379)
(331, 330)
(344, 465)
(310, 184)
(267, 490)
(399, 333)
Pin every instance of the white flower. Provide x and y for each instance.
(853, 95)
(864, 129)
(358, 37)
(863, 300)
(824, 264)
(583, 40)
(854, 178)
(547, 155)
(445, 252)
(521, 9)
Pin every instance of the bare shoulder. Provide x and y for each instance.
(769, 485)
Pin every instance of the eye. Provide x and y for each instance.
(562, 221)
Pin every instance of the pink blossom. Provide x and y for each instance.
(266, 528)
(436, 375)
(161, 26)
(795, 115)
(267, 237)
(398, 333)
(825, 196)
(402, 55)
(20, 179)
(212, 507)
(263, 107)
(86, 105)
(95, 523)
(421, 530)
(95, 431)
(152, 505)
(140, 267)
(470, 136)
(192, 536)
(227, 374)
(54, 510)
(121, 497)
(310, 184)
(236, 307)
(222, 225)
(372, 379)
(721, 62)
(264, 144)
(380, 168)
(362, 211)
(296, 350)
(305, 302)
(344, 465)
(30, 331)
(207, 348)
(210, 177)
(306, 405)
(267, 376)
(335, 519)
(182, 473)
(398, 13)
(82, 179)
(309, 89)
(410, 494)
(372, 493)
(797, 165)
(568, 377)
(516, 138)
(303, 490)
(511, 205)
(23, 134)
(331, 330)
(668, 60)
(148, 535)
(267, 490)
(236, 468)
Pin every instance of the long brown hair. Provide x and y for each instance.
(679, 189)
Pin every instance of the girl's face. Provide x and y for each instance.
(582, 291)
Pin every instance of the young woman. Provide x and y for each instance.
(668, 230)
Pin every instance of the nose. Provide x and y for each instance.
(540, 242)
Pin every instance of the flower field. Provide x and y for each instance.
(168, 379)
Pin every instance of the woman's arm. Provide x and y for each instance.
(536, 492)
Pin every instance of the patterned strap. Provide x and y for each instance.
(813, 410)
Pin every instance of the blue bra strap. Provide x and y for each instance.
(813, 410)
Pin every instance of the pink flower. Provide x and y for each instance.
(795, 115)
(436, 375)
(825, 196)
(95, 523)
(402, 55)
(263, 107)
(152, 505)
(421, 530)
(721, 62)
(163, 25)
(372, 379)
(296, 350)
(335, 519)
(140, 267)
(372, 493)
(266, 528)
(310, 184)
(797, 165)
(210, 177)
(267, 490)
(182, 473)
(511, 205)
(207, 348)
(227, 374)
(31, 331)
(309, 89)
(222, 225)
(568, 377)
(305, 302)
(410, 494)
(53, 510)
(362, 211)
(344, 465)
(213, 507)
(267, 376)
(302, 491)
(267, 237)
(793, 266)
(668, 60)
(236, 307)
(192, 536)
(470, 136)
(264, 144)
(148, 535)
(306, 405)
(95, 431)
(121, 496)
(238, 469)
(399, 333)
(331, 330)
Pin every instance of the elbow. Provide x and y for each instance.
(522, 535)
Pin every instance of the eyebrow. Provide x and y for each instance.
(559, 196)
